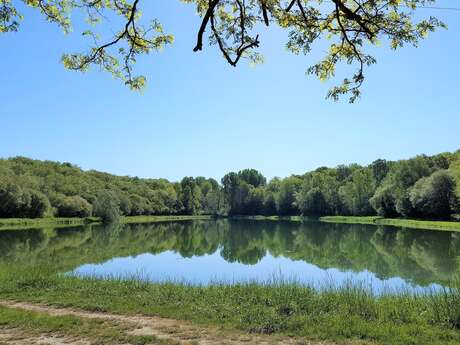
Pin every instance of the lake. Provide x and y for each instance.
(232, 251)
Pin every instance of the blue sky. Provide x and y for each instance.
(200, 116)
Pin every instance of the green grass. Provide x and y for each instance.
(26, 223)
(350, 313)
(372, 220)
(154, 219)
(405, 223)
(102, 332)
(275, 218)
(38, 223)
(350, 219)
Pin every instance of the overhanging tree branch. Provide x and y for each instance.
(204, 24)
(350, 25)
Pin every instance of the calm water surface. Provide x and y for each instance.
(202, 252)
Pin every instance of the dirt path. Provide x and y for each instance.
(16, 337)
(162, 328)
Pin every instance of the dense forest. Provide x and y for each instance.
(420, 187)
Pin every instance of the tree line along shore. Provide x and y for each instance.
(423, 187)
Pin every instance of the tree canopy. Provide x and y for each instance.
(350, 28)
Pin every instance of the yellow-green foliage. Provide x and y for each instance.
(351, 27)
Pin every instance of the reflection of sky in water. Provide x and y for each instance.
(170, 266)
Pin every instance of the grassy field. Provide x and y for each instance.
(24, 223)
(405, 223)
(349, 313)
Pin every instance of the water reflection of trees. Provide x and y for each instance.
(420, 256)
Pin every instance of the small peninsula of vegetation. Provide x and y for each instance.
(423, 188)
(405, 223)
(38, 223)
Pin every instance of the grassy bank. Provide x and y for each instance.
(405, 223)
(155, 219)
(259, 217)
(369, 220)
(349, 313)
(25, 223)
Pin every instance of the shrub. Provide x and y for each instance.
(107, 207)
(22, 203)
(434, 195)
(383, 202)
(74, 206)
(39, 204)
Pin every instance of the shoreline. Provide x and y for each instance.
(435, 225)
(38, 223)
(278, 309)
(398, 222)
(25, 223)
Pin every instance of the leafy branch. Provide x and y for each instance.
(349, 25)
